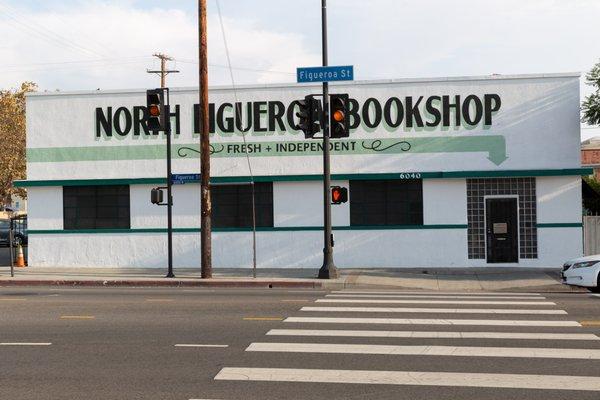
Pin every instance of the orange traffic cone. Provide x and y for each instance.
(20, 257)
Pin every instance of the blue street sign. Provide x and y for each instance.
(178, 179)
(325, 74)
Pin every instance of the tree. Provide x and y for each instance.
(12, 140)
(591, 104)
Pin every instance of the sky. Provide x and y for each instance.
(90, 44)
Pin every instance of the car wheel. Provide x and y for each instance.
(596, 289)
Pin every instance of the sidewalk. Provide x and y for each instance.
(432, 279)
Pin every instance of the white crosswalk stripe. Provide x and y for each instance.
(414, 296)
(449, 351)
(491, 294)
(419, 321)
(359, 302)
(513, 381)
(433, 310)
(462, 302)
(433, 334)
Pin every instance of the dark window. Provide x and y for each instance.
(232, 205)
(96, 207)
(386, 202)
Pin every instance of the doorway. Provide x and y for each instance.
(502, 229)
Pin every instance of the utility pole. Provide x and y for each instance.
(205, 203)
(328, 270)
(163, 68)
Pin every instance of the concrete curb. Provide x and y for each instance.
(165, 283)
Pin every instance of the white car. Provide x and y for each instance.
(582, 271)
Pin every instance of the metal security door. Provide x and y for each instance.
(502, 230)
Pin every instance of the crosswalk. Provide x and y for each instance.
(479, 326)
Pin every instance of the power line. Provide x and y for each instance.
(163, 72)
(44, 32)
(238, 111)
(238, 68)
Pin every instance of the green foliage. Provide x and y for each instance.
(12, 140)
(591, 104)
(594, 184)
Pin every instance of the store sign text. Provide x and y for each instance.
(262, 118)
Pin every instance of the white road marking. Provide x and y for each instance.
(202, 345)
(433, 334)
(24, 344)
(415, 321)
(413, 378)
(595, 295)
(474, 302)
(434, 310)
(432, 293)
(449, 351)
(414, 296)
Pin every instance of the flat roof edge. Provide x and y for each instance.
(293, 84)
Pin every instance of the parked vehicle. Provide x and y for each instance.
(583, 271)
(20, 231)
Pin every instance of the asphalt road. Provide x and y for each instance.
(106, 343)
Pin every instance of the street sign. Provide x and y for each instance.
(325, 74)
(178, 179)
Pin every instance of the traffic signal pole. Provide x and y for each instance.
(170, 273)
(328, 270)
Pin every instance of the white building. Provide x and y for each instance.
(447, 172)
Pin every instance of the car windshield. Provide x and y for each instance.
(4, 225)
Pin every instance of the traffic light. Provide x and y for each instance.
(339, 195)
(339, 120)
(156, 109)
(309, 116)
(156, 196)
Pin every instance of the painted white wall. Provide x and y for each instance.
(385, 248)
(557, 245)
(539, 116)
(186, 207)
(444, 201)
(45, 207)
(301, 204)
(558, 199)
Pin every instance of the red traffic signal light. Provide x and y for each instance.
(155, 119)
(339, 121)
(339, 195)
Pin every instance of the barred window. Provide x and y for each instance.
(232, 205)
(386, 202)
(96, 207)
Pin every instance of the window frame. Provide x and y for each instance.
(386, 202)
(239, 205)
(96, 207)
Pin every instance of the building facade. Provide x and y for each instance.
(448, 172)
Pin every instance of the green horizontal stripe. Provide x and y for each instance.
(560, 225)
(295, 178)
(258, 229)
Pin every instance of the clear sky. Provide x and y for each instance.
(89, 44)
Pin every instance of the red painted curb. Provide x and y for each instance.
(165, 283)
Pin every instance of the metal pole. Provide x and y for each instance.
(205, 204)
(10, 243)
(328, 270)
(169, 187)
(253, 231)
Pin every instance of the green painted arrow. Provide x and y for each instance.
(495, 146)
